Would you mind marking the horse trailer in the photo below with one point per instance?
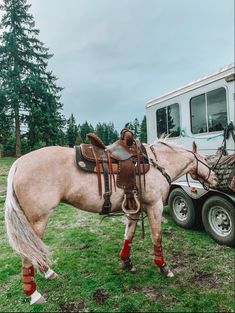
(202, 111)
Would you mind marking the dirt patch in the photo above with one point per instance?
(155, 294)
(100, 296)
(205, 278)
(83, 246)
(72, 307)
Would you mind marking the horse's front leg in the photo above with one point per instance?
(154, 217)
(126, 248)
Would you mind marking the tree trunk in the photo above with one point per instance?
(17, 133)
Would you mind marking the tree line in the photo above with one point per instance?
(76, 134)
(30, 106)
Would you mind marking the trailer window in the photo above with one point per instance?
(209, 111)
(168, 121)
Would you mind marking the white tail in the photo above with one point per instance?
(21, 235)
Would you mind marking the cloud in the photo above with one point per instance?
(112, 56)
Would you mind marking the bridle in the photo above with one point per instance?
(202, 182)
(167, 176)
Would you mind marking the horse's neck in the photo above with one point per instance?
(176, 163)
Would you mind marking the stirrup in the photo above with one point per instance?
(126, 211)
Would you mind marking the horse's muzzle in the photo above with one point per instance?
(213, 180)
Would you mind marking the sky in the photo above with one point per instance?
(113, 56)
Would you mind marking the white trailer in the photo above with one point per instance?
(199, 111)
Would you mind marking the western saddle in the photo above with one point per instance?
(126, 158)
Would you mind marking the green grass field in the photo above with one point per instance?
(86, 257)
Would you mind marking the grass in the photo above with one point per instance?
(86, 257)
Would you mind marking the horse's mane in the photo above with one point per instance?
(172, 145)
(164, 140)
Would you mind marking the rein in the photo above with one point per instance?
(168, 178)
(160, 168)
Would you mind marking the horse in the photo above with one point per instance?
(40, 180)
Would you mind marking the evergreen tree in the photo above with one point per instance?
(143, 130)
(72, 131)
(112, 133)
(136, 128)
(83, 130)
(106, 132)
(30, 89)
(100, 131)
(5, 120)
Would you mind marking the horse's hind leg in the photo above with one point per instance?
(39, 228)
(126, 248)
(154, 217)
(29, 283)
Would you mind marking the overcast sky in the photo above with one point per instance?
(112, 56)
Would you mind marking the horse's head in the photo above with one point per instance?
(201, 171)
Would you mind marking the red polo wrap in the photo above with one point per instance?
(158, 256)
(29, 284)
(126, 250)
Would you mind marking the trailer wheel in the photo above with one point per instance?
(218, 216)
(182, 208)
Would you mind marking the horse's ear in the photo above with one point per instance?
(194, 147)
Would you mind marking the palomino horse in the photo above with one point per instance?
(40, 180)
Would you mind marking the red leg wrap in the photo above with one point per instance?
(158, 256)
(29, 284)
(126, 250)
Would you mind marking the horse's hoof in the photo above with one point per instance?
(170, 274)
(165, 271)
(53, 276)
(37, 298)
(133, 269)
(50, 274)
(127, 265)
(40, 301)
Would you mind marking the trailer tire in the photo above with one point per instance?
(218, 216)
(182, 208)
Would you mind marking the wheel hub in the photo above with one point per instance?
(180, 208)
(220, 221)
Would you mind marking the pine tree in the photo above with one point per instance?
(136, 128)
(30, 89)
(85, 129)
(143, 130)
(106, 132)
(72, 131)
(5, 120)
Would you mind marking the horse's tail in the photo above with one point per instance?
(21, 235)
